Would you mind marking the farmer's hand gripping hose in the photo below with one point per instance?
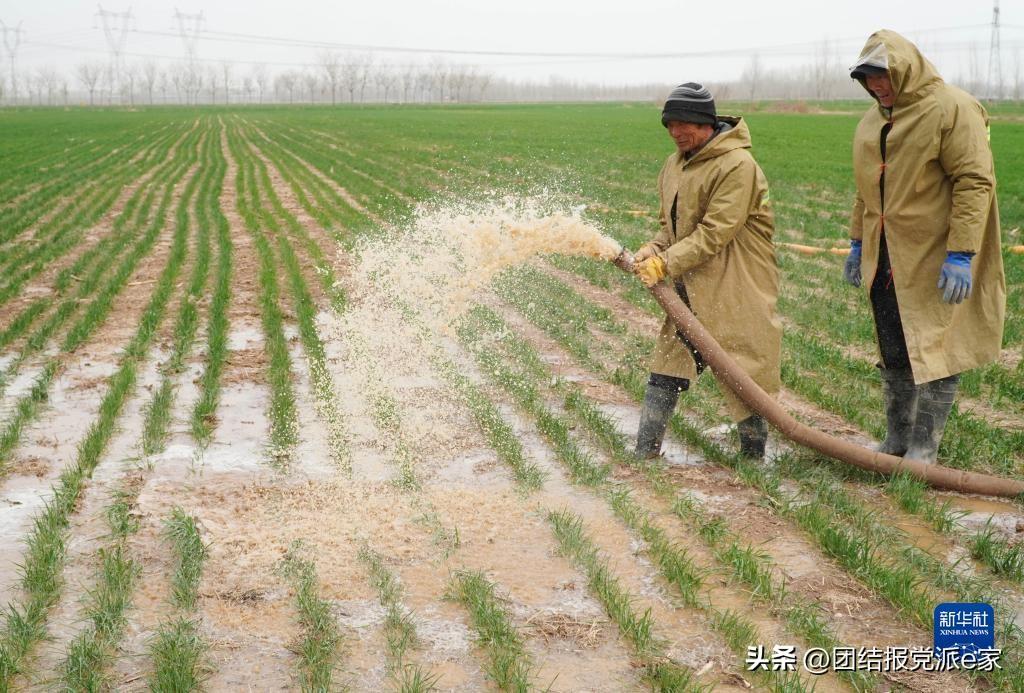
(734, 377)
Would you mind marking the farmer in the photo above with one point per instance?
(925, 237)
(715, 244)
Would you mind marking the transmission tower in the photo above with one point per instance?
(115, 27)
(12, 39)
(189, 26)
(995, 58)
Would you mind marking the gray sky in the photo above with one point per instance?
(718, 39)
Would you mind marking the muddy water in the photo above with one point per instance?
(48, 447)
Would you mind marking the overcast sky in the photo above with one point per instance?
(583, 39)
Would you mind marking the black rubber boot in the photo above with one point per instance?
(659, 402)
(900, 394)
(753, 432)
(934, 402)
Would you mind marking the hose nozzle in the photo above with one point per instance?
(624, 261)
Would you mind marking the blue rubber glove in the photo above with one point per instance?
(955, 277)
(851, 272)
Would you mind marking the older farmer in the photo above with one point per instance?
(715, 243)
(925, 236)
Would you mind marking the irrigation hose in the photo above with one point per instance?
(733, 376)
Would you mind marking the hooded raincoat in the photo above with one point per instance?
(716, 240)
(939, 196)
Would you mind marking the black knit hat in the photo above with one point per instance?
(863, 71)
(690, 103)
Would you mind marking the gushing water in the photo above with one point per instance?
(409, 288)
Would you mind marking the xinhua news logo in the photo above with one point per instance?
(966, 631)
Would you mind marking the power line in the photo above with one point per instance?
(781, 49)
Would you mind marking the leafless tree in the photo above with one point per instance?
(163, 83)
(752, 75)
(310, 81)
(248, 87)
(3, 87)
(439, 75)
(975, 84)
(424, 82)
(386, 79)
(353, 75)
(147, 75)
(331, 65)
(179, 78)
(63, 91)
(89, 75)
(408, 82)
(225, 73)
(482, 82)
(212, 82)
(128, 80)
(48, 80)
(262, 79)
(823, 70)
(285, 82)
(1017, 85)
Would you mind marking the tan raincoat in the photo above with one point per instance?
(939, 196)
(720, 248)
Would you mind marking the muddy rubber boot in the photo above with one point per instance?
(753, 432)
(934, 402)
(900, 395)
(659, 402)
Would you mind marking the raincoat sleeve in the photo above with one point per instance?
(857, 219)
(966, 158)
(727, 211)
(662, 238)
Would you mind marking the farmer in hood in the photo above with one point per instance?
(715, 244)
(925, 238)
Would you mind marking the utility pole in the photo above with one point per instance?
(12, 39)
(995, 57)
(115, 27)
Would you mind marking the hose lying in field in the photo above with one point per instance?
(813, 250)
(730, 373)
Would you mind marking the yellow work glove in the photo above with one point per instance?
(651, 271)
(643, 252)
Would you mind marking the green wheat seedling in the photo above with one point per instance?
(64, 231)
(1004, 558)
(306, 311)
(91, 651)
(509, 664)
(673, 563)
(45, 552)
(30, 404)
(618, 603)
(204, 412)
(500, 435)
(316, 197)
(190, 553)
(178, 651)
(748, 564)
(282, 414)
(318, 649)
(158, 412)
(399, 628)
(301, 235)
(83, 666)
